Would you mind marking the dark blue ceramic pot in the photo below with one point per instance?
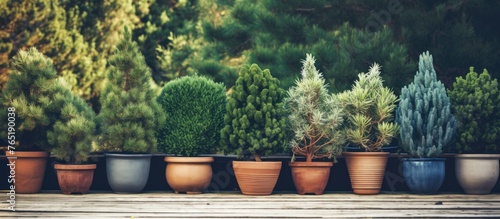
(424, 175)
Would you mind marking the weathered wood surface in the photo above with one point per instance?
(235, 205)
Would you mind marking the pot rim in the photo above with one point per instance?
(364, 153)
(28, 154)
(126, 155)
(75, 166)
(310, 164)
(188, 159)
(478, 156)
(420, 159)
(257, 165)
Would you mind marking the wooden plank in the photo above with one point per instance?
(235, 205)
(275, 214)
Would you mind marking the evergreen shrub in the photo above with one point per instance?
(424, 113)
(255, 119)
(475, 102)
(195, 108)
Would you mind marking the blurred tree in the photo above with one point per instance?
(459, 34)
(277, 34)
(77, 36)
(166, 37)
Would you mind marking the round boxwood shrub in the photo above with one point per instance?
(195, 108)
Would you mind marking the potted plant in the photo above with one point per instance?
(369, 107)
(28, 98)
(427, 125)
(195, 108)
(315, 118)
(71, 138)
(128, 119)
(255, 127)
(475, 102)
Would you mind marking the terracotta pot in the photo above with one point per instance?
(29, 170)
(310, 177)
(366, 171)
(75, 179)
(189, 174)
(256, 178)
(477, 173)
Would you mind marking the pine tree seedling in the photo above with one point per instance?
(129, 115)
(72, 135)
(31, 91)
(315, 116)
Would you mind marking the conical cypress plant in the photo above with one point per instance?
(130, 115)
(475, 102)
(424, 113)
(254, 120)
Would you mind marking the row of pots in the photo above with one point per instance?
(128, 173)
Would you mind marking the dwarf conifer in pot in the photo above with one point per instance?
(427, 126)
(315, 118)
(195, 108)
(27, 103)
(369, 106)
(254, 126)
(475, 103)
(72, 137)
(129, 118)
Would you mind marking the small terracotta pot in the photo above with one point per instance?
(189, 174)
(256, 178)
(310, 177)
(366, 171)
(75, 179)
(477, 173)
(29, 170)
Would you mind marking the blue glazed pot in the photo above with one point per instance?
(424, 175)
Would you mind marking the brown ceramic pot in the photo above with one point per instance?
(310, 177)
(29, 170)
(191, 175)
(75, 179)
(256, 178)
(366, 171)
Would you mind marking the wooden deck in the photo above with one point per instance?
(235, 205)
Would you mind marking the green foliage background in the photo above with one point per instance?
(214, 38)
(194, 107)
(182, 37)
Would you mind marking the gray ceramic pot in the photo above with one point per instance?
(127, 173)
